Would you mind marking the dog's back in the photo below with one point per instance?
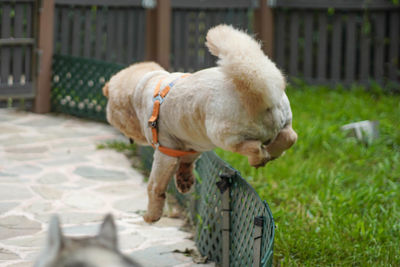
(121, 113)
(96, 251)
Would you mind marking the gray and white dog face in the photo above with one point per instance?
(99, 250)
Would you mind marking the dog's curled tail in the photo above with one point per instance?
(105, 90)
(256, 77)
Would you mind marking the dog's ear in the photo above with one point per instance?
(55, 239)
(54, 244)
(108, 233)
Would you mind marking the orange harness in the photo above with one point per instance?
(158, 99)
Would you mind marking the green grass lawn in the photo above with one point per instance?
(335, 202)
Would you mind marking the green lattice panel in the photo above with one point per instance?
(77, 86)
(208, 228)
(245, 206)
(205, 204)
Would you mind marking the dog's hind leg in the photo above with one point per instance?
(161, 172)
(184, 177)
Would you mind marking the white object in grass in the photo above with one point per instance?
(365, 131)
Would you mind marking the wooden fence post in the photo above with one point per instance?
(224, 188)
(44, 56)
(158, 33)
(264, 27)
(164, 32)
(151, 34)
(257, 237)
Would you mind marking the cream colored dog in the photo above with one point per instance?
(240, 106)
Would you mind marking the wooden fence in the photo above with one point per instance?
(331, 42)
(116, 31)
(17, 44)
(108, 30)
(190, 22)
(320, 41)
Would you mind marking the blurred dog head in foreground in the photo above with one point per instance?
(96, 251)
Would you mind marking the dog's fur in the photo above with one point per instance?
(97, 251)
(240, 106)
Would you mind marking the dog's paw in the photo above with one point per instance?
(184, 178)
(184, 182)
(151, 218)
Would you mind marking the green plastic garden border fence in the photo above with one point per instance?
(77, 86)
(204, 206)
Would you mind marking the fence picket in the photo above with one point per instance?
(176, 40)
(109, 49)
(394, 63)
(196, 42)
(99, 47)
(17, 51)
(183, 38)
(244, 20)
(76, 32)
(186, 40)
(336, 54)
(365, 55)
(133, 21)
(350, 48)
(308, 44)
(322, 47)
(65, 30)
(28, 50)
(6, 21)
(87, 50)
(140, 34)
(294, 44)
(5, 51)
(237, 20)
(207, 55)
(280, 34)
(120, 36)
(379, 21)
(56, 41)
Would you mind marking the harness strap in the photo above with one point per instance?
(158, 99)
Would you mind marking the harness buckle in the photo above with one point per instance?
(159, 98)
(153, 124)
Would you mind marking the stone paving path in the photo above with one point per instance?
(49, 164)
